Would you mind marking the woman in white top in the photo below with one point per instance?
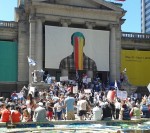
(30, 103)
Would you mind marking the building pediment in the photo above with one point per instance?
(92, 4)
(78, 11)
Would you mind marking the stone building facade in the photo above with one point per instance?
(28, 31)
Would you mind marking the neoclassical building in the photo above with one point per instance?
(40, 25)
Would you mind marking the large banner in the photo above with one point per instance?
(137, 64)
(8, 61)
(74, 48)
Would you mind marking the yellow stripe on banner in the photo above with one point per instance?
(81, 53)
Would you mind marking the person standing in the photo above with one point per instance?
(50, 106)
(30, 103)
(82, 107)
(58, 107)
(117, 108)
(69, 104)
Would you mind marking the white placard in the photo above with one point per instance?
(148, 87)
(31, 90)
(64, 78)
(85, 80)
(87, 90)
(75, 89)
(20, 95)
(53, 78)
(122, 94)
(88, 80)
(58, 83)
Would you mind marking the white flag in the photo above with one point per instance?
(31, 62)
(116, 86)
(125, 70)
(148, 87)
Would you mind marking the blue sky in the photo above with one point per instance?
(132, 16)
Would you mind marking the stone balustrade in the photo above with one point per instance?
(131, 35)
(8, 24)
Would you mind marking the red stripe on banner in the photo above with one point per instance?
(76, 50)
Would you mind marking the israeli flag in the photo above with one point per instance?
(31, 62)
(116, 86)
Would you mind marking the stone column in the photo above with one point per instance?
(118, 52)
(90, 25)
(65, 23)
(22, 51)
(112, 53)
(32, 46)
(39, 43)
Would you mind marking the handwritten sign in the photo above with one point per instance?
(121, 94)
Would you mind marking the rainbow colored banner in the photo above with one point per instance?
(78, 52)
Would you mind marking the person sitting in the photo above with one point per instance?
(97, 112)
(144, 109)
(106, 112)
(15, 115)
(135, 112)
(124, 112)
(5, 113)
(40, 113)
(26, 117)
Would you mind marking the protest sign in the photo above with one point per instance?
(20, 95)
(64, 78)
(53, 78)
(87, 90)
(31, 90)
(75, 89)
(122, 94)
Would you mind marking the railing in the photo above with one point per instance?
(8, 24)
(131, 35)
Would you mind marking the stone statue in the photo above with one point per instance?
(38, 76)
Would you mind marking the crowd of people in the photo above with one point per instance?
(59, 102)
